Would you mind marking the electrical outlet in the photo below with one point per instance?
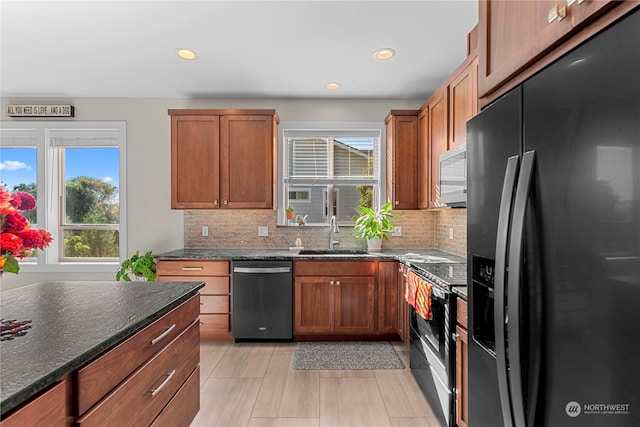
(263, 231)
(397, 231)
(451, 233)
(205, 231)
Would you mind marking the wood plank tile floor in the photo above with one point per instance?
(255, 385)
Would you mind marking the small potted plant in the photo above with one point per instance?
(138, 267)
(290, 213)
(374, 225)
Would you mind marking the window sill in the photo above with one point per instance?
(71, 267)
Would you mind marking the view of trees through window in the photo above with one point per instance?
(90, 211)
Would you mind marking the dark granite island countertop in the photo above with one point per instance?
(71, 323)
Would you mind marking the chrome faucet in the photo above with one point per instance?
(333, 229)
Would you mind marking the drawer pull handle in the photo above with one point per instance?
(164, 334)
(164, 383)
(191, 268)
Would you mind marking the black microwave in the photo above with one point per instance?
(453, 177)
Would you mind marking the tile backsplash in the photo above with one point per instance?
(239, 229)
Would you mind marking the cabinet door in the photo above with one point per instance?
(514, 34)
(354, 305)
(387, 297)
(424, 160)
(405, 164)
(246, 161)
(314, 302)
(403, 305)
(437, 140)
(463, 103)
(462, 406)
(195, 172)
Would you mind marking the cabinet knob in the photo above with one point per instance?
(338, 282)
(331, 282)
(397, 202)
(215, 202)
(454, 336)
(556, 12)
(226, 202)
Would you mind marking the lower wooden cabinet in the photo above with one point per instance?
(388, 297)
(145, 376)
(215, 297)
(462, 345)
(46, 410)
(144, 394)
(335, 298)
(403, 305)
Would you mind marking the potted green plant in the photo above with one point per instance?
(374, 225)
(138, 267)
(290, 213)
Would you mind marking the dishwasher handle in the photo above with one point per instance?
(261, 270)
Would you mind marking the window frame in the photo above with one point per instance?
(49, 175)
(287, 129)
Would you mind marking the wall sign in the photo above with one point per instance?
(30, 110)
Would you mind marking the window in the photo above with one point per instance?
(330, 171)
(75, 171)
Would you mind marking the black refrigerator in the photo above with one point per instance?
(553, 214)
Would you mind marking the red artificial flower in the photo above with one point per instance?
(5, 198)
(46, 237)
(31, 239)
(10, 243)
(14, 223)
(25, 201)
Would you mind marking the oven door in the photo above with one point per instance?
(431, 353)
(435, 333)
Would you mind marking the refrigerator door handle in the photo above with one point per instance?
(514, 287)
(504, 218)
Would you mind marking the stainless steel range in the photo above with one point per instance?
(432, 350)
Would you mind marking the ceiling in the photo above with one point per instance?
(246, 49)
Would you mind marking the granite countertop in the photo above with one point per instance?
(276, 254)
(440, 266)
(70, 323)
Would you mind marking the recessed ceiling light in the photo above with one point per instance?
(384, 54)
(187, 54)
(332, 86)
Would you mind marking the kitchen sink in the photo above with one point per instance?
(332, 251)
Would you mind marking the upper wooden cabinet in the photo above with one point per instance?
(223, 159)
(438, 126)
(424, 160)
(514, 34)
(463, 102)
(402, 158)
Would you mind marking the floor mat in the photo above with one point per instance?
(346, 355)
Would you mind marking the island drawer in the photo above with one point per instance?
(184, 406)
(46, 410)
(194, 267)
(100, 376)
(335, 268)
(144, 394)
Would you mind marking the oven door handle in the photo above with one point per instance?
(515, 286)
(504, 219)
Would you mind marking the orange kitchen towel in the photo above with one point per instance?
(418, 294)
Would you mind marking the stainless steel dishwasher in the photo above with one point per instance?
(262, 300)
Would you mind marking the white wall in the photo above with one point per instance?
(152, 225)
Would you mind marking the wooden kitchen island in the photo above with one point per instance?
(100, 353)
